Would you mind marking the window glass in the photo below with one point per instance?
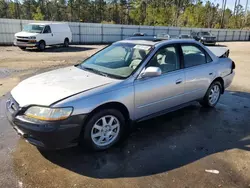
(47, 29)
(115, 54)
(117, 60)
(33, 28)
(166, 59)
(193, 56)
(209, 59)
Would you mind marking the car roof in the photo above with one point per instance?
(47, 23)
(143, 42)
(156, 42)
(146, 38)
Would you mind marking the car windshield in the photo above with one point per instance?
(118, 60)
(205, 33)
(33, 28)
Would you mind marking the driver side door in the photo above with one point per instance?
(48, 36)
(155, 94)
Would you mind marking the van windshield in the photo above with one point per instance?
(118, 60)
(33, 28)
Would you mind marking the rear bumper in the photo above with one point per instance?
(49, 135)
(228, 79)
(25, 43)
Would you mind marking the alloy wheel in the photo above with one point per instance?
(105, 130)
(214, 94)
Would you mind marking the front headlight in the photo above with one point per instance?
(202, 38)
(48, 114)
(32, 38)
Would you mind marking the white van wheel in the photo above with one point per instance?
(66, 42)
(41, 46)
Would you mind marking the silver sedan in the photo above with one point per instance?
(94, 102)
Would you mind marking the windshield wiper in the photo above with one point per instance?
(102, 73)
(95, 71)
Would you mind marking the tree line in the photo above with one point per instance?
(181, 13)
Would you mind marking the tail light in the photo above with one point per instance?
(233, 66)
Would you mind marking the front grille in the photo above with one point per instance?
(22, 40)
(22, 37)
(210, 38)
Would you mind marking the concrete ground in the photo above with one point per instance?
(175, 150)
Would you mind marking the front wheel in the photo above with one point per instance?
(103, 130)
(201, 41)
(66, 43)
(41, 45)
(213, 95)
(22, 47)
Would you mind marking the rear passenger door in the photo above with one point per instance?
(198, 70)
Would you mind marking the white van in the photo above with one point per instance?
(41, 35)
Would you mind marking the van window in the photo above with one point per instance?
(47, 29)
(33, 28)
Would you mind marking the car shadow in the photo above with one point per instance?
(166, 142)
(58, 49)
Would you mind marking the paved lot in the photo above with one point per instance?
(174, 150)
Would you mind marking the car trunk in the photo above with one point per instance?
(220, 52)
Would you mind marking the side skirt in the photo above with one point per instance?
(160, 113)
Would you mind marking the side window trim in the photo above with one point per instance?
(177, 48)
(197, 46)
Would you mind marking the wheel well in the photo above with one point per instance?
(42, 41)
(222, 83)
(111, 105)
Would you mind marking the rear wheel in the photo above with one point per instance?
(41, 45)
(103, 130)
(213, 95)
(66, 43)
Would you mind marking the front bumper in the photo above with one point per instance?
(25, 43)
(204, 41)
(45, 134)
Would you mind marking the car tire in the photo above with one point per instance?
(22, 48)
(100, 135)
(41, 46)
(66, 43)
(212, 95)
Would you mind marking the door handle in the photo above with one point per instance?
(178, 81)
(51, 34)
(211, 73)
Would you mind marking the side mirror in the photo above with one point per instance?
(151, 72)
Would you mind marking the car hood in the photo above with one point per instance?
(25, 34)
(47, 88)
